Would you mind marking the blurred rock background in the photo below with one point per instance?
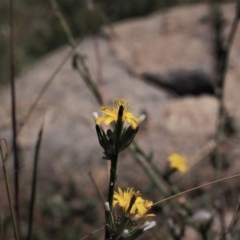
(38, 32)
(174, 46)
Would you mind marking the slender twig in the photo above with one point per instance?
(220, 209)
(34, 183)
(195, 188)
(222, 60)
(89, 235)
(78, 60)
(222, 63)
(97, 188)
(14, 121)
(91, 7)
(45, 87)
(4, 156)
(147, 168)
(99, 65)
(1, 227)
(63, 23)
(80, 65)
(50, 80)
(234, 218)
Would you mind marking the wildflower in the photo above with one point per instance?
(142, 210)
(123, 198)
(118, 137)
(178, 162)
(133, 208)
(137, 209)
(111, 115)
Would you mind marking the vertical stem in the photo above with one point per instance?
(63, 23)
(222, 59)
(114, 158)
(99, 65)
(14, 125)
(9, 193)
(79, 62)
(112, 180)
(91, 7)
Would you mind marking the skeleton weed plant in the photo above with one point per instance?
(125, 207)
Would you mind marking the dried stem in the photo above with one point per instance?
(99, 65)
(63, 23)
(222, 63)
(78, 61)
(193, 189)
(4, 159)
(89, 235)
(13, 115)
(91, 7)
(233, 221)
(134, 149)
(222, 58)
(34, 183)
(45, 87)
(97, 188)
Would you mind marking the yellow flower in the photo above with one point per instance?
(179, 162)
(123, 198)
(142, 208)
(139, 207)
(112, 114)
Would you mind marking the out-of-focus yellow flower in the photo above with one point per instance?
(139, 207)
(178, 162)
(112, 114)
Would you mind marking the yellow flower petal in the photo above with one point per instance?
(139, 208)
(122, 198)
(179, 162)
(108, 111)
(111, 115)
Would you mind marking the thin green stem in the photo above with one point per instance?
(112, 180)
(78, 60)
(80, 65)
(63, 23)
(147, 168)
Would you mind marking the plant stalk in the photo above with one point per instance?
(8, 190)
